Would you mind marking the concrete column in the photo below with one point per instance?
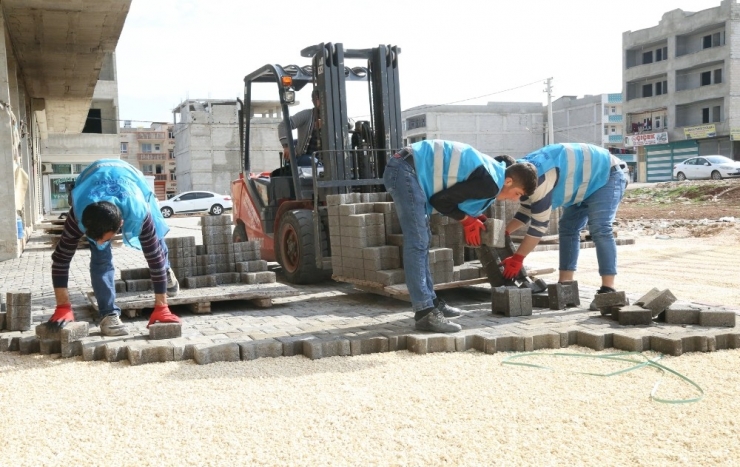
(9, 245)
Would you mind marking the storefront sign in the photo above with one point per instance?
(735, 134)
(701, 131)
(646, 139)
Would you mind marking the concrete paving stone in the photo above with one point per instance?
(572, 293)
(368, 344)
(396, 340)
(466, 340)
(694, 344)
(631, 342)
(116, 351)
(681, 315)
(727, 340)
(634, 315)
(18, 298)
(494, 233)
(74, 331)
(138, 285)
(546, 340)
(9, 341)
(610, 299)
(716, 318)
(432, 343)
(165, 331)
(44, 331)
(93, 348)
(70, 349)
(140, 353)
(509, 343)
(209, 353)
(28, 345)
(135, 274)
(667, 345)
(263, 348)
(320, 348)
(293, 345)
(49, 346)
(593, 339)
(658, 303)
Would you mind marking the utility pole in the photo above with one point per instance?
(550, 129)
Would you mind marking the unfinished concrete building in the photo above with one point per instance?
(590, 119)
(56, 64)
(514, 128)
(680, 86)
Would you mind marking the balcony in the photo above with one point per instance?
(152, 156)
(615, 118)
(156, 176)
(150, 135)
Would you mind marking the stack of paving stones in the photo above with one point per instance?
(17, 316)
(367, 243)
(217, 262)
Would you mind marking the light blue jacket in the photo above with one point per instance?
(122, 184)
(582, 169)
(441, 164)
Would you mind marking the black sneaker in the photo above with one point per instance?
(447, 310)
(172, 285)
(435, 321)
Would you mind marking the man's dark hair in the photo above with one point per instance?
(506, 159)
(524, 175)
(314, 94)
(100, 218)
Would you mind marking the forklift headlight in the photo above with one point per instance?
(289, 96)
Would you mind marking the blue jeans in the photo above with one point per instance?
(598, 210)
(411, 207)
(102, 276)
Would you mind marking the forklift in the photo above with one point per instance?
(288, 213)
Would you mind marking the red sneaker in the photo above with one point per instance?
(162, 314)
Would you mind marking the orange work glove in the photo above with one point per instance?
(162, 314)
(512, 265)
(62, 315)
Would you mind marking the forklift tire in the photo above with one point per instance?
(240, 234)
(295, 250)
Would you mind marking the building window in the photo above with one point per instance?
(665, 53)
(124, 148)
(146, 147)
(171, 153)
(665, 87)
(657, 123)
(157, 148)
(706, 78)
(614, 130)
(658, 88)
(606, 110)
(606, 130)
(416, 122)
(716, 114)
(158, 169)
(716, 38)
(170, 134)
(614, 110)
(148, 169)
(647, 57)
(659, 55)
(705, 115)
(706, 42)
(718, 76)
(647, 90)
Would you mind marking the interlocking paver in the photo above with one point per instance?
(336, 319)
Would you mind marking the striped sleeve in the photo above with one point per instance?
(154, 255)
(65, 251)
(536, 209)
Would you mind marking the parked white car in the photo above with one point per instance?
(714, 167)
(196, 201)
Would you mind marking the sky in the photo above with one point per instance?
(461, 51)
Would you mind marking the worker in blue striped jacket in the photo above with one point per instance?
(459, 182)
(111, 195)
(589, 183)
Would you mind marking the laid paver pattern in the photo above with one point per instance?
(328, 319)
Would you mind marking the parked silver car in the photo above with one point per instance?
(196, 201)
(714, 167)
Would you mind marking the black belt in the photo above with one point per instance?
(406, 155)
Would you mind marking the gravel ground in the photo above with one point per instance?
(390, 409)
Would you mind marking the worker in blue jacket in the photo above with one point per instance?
(457, 181)
(589, 183)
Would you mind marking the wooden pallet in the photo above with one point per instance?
(401, 292)
(199, 300)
